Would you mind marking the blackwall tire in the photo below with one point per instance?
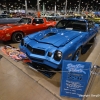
(77, 55)
(17, 37)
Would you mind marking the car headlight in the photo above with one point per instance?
(58, 55)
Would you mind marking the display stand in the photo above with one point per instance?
(75, 79)
(94, 72)
(78, 79)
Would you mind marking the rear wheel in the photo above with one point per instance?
(17, 36)
(77, 54)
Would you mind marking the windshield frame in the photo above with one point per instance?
(70, 24)
(29, 21)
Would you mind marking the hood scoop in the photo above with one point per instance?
(48, 35)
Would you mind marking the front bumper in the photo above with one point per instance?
(45, 60)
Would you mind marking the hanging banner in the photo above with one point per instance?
(75, 78)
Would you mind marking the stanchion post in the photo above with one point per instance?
(94, 72)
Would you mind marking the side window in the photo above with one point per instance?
(41, 21)
(25, 20)
(29, 20)
(38, 21)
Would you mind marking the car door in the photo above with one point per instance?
(38, 24)
(27, 26)
(91, 29)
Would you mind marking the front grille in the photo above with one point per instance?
(36, 51)
(35, 59)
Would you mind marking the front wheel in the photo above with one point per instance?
(17, 36)
(77, 55)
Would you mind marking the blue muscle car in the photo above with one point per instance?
(64, 42)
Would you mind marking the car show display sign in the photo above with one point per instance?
(75, 78)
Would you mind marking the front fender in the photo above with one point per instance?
(9, 33)
(70, 48)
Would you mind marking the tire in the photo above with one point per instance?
(17, 37)
(77, 54)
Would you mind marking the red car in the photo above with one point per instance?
(25, 26)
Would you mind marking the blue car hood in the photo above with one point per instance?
(56, 37)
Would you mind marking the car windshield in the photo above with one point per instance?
(72, 25)
(25, 21)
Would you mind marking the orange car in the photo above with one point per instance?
(25, 26)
